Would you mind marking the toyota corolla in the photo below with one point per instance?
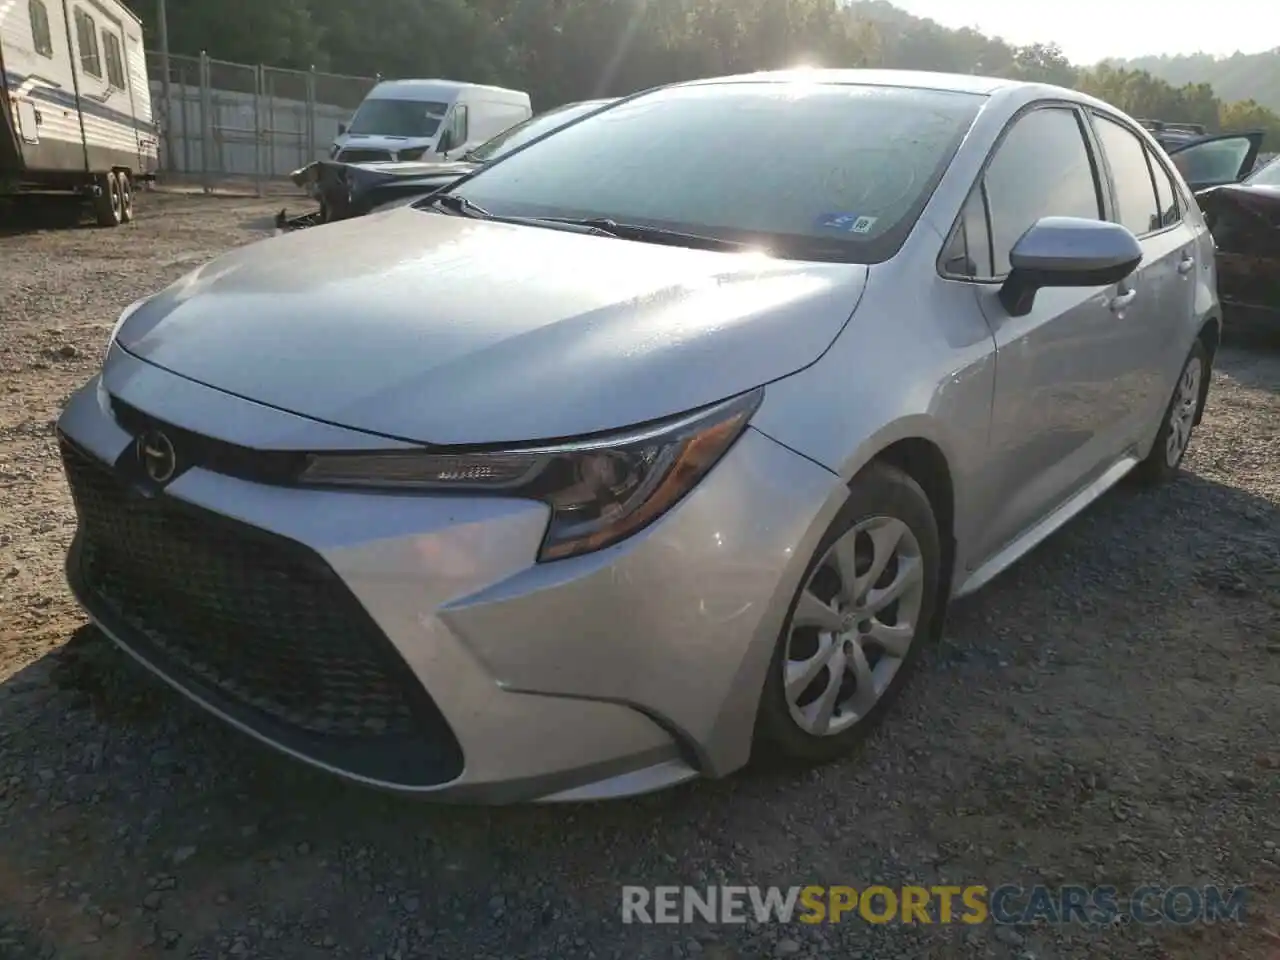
(658, 443)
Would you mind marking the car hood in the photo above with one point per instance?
(363, 176)
(379, 141)
(1258, 200)
(391, 170)
(351, 189)
(450, 330)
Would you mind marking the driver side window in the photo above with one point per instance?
(1042, 168)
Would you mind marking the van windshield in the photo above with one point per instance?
(398, 118)
(822, 171)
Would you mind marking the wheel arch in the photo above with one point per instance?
(925, 462)
(916, 446)
(1211, 336)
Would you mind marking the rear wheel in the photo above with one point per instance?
(858, 623)
(1174, 437)
(107, 204)
(126, 196)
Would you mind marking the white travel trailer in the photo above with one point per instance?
(75, 104)
(427, 120)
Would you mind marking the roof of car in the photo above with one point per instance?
(415, 87)
(957, 82)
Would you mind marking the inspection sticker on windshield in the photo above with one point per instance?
(846, 222)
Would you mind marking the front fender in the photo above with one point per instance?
(919, 367)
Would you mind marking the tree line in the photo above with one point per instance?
(1237, 77)
(565, 50)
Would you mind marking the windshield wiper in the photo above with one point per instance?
(636, 231)
(599, 226)
(459, 204)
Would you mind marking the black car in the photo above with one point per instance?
(1245, 220)
(348, 190)
(1241, 205)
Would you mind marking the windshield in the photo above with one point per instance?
(1267, 176)
(812, 171)
(531, 129)
(398, 118)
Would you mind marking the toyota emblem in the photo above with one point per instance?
(157, 456)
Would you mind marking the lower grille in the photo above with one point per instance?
(364, 156)
(259, 624)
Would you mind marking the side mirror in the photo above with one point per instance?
(445, 143)
(1067, 252)
(342, 128)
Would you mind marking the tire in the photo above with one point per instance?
(125, 183)
(1178, 421)
(106, 206)
(888, 503)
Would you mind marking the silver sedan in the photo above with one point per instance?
(658, 443)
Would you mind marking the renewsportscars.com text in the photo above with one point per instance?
(971, 904)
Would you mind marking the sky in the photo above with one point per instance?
(1093, 30)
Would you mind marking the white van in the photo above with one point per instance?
(427, 120)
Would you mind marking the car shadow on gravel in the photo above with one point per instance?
(111, 774)
(268, 224)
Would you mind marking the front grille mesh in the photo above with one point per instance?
(364, 156)
(264, 622)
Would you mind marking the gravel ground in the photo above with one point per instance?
(1105, 713)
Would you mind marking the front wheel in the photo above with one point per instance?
(858, 623)
(1174, 436)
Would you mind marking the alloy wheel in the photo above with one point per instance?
(1182, 412)
(853, 627)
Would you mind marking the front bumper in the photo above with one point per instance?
(605, 675)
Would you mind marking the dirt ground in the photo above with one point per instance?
(1106, 713)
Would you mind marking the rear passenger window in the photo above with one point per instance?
(1166, 192)
(1041, 169)
(1135, 192)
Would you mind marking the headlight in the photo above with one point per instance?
(415, 153)
(600, 490)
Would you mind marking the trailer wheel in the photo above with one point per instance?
(107, 204)
(126, 196)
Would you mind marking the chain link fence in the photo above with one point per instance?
(245, 125)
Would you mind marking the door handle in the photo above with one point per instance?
(1123, 300)
(1186, 264)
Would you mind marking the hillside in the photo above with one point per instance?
(1239, 77)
